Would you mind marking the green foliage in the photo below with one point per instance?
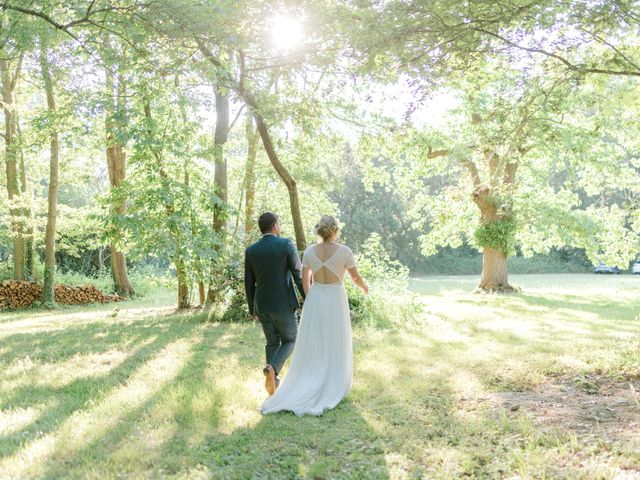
(229, 283)
(375, 264)
(499, 235)
(385, 277)
(574, 137)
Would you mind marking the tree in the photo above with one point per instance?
(50, 235)
(10, 68)
(515, 151)
(252, 136)
(116, 137)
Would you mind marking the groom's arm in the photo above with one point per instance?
(249, 283)
(295, 266)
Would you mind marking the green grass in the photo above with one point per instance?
(143, 392)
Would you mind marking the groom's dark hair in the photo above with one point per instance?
(266, 221)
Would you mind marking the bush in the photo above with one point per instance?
(388, 302)
(147, 278)
(229, 281)
(376, 266)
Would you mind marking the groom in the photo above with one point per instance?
(271, 266)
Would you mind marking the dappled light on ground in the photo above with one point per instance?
(540, 383)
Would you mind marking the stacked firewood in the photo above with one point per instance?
(20, 294)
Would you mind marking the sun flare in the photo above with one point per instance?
(286, 32)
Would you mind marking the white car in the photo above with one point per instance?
(635, 269)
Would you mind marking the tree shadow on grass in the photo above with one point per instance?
(135, 444)
(144, 339)
(552, 315)
(340, 444)
(611, 311)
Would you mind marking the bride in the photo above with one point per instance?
(321, 369)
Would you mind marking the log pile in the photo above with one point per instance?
(20, 294)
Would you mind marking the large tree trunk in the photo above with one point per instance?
(116, 163)
(250, 178)
(494, 271)
(494, 261)
(9, 83)
(220, 183)
(50, 234)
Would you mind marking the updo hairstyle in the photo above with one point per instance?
(327, 227)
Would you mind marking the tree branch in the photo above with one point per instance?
(473, 170)
(612, 47)
(237, 116)
(510, 173)
(563, 60)
(44, 16)
(436, 153)
(16, 76)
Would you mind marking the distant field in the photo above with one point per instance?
(464, 283)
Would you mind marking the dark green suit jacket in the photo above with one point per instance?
(271, 267)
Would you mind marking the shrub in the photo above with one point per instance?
(388, 302)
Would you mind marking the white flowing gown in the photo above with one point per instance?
(321, 371)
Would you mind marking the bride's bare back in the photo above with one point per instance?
(328, 262)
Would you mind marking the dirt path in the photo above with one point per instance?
(590, 406)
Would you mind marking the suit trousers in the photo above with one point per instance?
(280, 330)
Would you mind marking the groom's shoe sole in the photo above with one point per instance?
(270, 379)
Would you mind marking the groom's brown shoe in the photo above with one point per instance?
(270, 379)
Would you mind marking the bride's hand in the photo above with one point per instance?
(365, 289)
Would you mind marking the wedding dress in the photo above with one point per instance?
(321, 370)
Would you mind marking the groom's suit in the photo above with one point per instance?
(271, 267)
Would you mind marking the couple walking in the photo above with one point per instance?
(321, 369)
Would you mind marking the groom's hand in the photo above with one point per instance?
(254, 317)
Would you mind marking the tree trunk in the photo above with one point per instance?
(178, 260)
(100, 261)
(183, 285)
(29, 254)
(116, 163)
(220, 179)
(220, 183)
(250, 178)
(202, 294)
(50, 234)
(288, 180)
(494, 262)
(494, 271)
(9, 82)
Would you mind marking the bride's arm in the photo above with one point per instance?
(357, 279)
(306, 279)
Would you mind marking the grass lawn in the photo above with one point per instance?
(542, 384)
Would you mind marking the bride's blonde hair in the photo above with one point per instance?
(327, 227)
